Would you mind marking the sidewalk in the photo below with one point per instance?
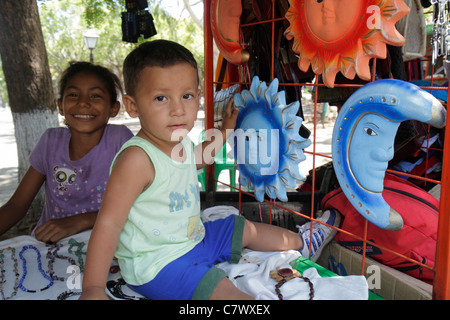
(8, 158)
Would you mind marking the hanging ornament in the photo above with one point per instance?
(225, 21)
(335, 36)
(137, 21)
(268, 147)
(363, 142)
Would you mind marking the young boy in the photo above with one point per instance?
(150, 215)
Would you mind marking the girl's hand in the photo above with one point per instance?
(57, 229)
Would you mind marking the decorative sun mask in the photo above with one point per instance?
(268, 147)
(363, 142)
(225, 21)
(343, 35)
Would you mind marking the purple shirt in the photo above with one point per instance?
(74, 187)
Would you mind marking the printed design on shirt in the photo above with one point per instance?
(196, 191)
(195, 230)
(177, 201)
(64, 177)
(72, 192)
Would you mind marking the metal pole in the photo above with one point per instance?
(209, 80)
(441, 286)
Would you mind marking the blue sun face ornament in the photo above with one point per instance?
(268, 147)
(363, 142)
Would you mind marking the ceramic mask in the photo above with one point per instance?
(335, 36)
(225, 27)
(268, 147)
(363, 142)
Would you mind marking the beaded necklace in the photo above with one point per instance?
(51, 256)
(2, 272)
(286, 274)
(67, 294)
(24, 264)
(79, 253)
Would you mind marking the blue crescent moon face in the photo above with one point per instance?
(371, 147)
(363, 140)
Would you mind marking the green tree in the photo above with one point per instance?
(65, 21)
(28, 80)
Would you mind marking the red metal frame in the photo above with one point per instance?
(441, 286)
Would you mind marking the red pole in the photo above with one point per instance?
(441, 287)
(209, 80)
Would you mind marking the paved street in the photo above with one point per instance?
(8, 156)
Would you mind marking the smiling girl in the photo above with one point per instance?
(72, 162)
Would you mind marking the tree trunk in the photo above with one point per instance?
(28, 80)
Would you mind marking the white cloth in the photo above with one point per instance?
(252, 274)
(218, 212)
(66, 263)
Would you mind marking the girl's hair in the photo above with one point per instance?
(112, 82)
(156, 53)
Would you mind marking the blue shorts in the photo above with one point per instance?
(193, 276)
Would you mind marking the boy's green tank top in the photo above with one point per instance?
(164, 222)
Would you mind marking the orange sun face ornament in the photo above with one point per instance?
(335, 36)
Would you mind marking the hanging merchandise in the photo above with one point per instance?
(268, 147)
(335, 36)
(363, 140)
(441, 31)
(137, 21)
(413, 28)
(225, 17)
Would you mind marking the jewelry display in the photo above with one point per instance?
(283, 275)
(52, 255)
(67, 294)
(2, 273)
(79, 252)
(24, 265)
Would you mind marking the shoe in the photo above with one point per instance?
(321, 234)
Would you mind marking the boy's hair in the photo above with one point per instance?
(156, 53)
(112, 82)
